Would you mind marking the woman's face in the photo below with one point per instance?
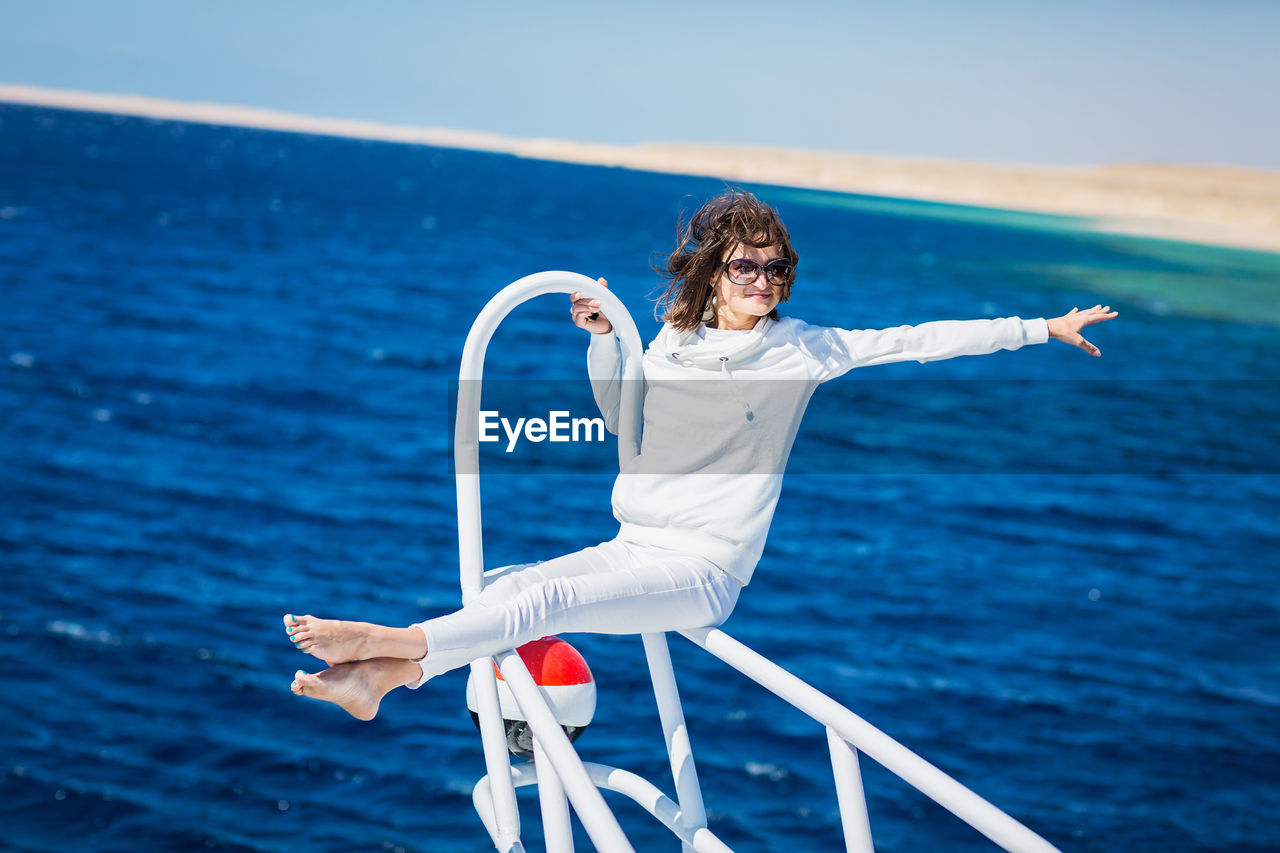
(739, 306)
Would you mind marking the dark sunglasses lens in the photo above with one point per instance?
(743, 271)
(778, 272)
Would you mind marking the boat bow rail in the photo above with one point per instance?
(561, 777)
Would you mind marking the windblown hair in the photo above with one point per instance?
(731, 219)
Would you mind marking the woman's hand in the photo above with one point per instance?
(1067, 327)
(587, 314)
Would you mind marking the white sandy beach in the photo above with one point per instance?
(1220, 205)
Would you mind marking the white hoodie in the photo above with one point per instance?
(721, 413)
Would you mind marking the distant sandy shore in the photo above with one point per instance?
(1218, 205)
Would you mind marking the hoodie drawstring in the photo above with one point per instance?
(733, 386)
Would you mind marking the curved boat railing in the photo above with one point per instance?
(561, 777)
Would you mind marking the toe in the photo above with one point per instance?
(302, 681)
(293, 627)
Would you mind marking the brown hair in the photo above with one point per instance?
(733, 218)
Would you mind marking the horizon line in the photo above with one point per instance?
(1182, 202)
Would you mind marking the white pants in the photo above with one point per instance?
(615, 587)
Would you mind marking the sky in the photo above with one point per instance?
(1178, 81)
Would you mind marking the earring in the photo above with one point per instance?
(709, 313)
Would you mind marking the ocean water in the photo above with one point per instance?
(225, 366)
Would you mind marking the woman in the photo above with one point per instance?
(726, 383)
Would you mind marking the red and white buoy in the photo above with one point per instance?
(565, 680)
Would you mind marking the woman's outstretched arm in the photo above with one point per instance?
(838, 350)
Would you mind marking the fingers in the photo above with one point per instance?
(595, 315)
(1100, 314)
(1079, 341)
(1067, 327)
(1096, 314)
(577, 300)
(586, 312)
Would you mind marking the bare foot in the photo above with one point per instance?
(357, 688)
(334, 641)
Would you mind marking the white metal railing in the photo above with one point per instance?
(560, 757)
(561, 777)
(637, 788)
(846, 732)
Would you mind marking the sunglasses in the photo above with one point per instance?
(743, 271)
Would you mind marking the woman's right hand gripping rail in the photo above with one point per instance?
(588, 313)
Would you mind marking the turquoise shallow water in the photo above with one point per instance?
(225, 393)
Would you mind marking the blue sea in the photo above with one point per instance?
(226, 359)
